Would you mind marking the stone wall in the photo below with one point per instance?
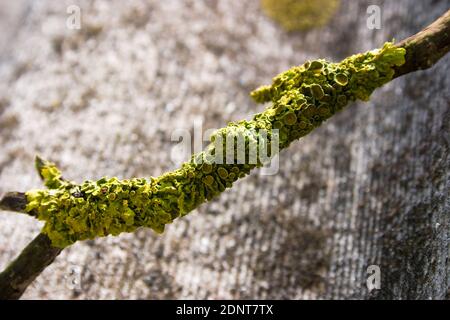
(370, 187)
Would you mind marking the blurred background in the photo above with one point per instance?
(369, 187)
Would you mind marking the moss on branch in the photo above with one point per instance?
(300, 100)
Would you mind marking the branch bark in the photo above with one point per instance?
(13, 201)
(423, 50)
(37, 255)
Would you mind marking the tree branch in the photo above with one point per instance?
(14, 201)
(37, 255)
(423, 50)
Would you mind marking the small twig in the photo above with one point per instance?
(423, 50)
(14, 201)
(37, 255)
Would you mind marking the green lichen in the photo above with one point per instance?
(301, 99)
(295, 15)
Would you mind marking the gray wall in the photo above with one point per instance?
(370, 187)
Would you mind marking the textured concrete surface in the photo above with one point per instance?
(370, 187)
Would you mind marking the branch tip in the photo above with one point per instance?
(39, 164)
(14, 201)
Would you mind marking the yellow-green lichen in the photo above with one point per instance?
(301, 99)
(295, 15)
